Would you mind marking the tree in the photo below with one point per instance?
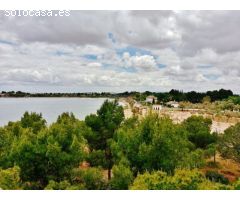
(227, 105)
(51, 153)
(10, 178)
(229, 143)
(6, 139)
(122, 177)
(198, 129)
(183, 105)
(104, 125)
(206, 100)
(194, 97)
(183, 179)
(234, 99)
(33, 121)
(65, 145)
(177, 95)
(153, 102)
(96, 158)
(28, 152)
(211, 151)
(154, 143)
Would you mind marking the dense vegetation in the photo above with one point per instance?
(107, 152)
(173, 95)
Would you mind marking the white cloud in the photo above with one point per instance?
(189, 50)
(144, 63)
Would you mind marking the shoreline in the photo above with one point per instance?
(58, 97)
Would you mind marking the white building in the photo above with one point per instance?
(157, 107)
(173, 104)
(151, 99)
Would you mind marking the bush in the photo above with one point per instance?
(236, 185)
(52, 185)
(10, 178)
(91, 178)
(122, 177)
(216, 177)
(183, 179)
(63, 185)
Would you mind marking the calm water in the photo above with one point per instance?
(11, 109)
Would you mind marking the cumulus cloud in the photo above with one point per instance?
(121, 50)
(144, 63)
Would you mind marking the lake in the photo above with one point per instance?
(12, 109)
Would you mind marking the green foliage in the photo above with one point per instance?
(229, 143)
(216, 177)
(104, 125)
(186, 179)
(36, 156)
(199, 131)
(28, 154)
(154, 143)
(226, 105)
(10, 178)
(6, 139)
(195, 159)
(236, 184)
(183, 179)
(206, 99)
(91, 179)
(33, 121)
(63, 185)
(65, 145)
(52, 185)
(154, 181)
(211, 151)
(122, 177)
(50, 153)
(97, 158)
(235, 99)
(177, 95)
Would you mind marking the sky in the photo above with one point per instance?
(115, 51)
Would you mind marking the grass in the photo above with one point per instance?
(228, 168)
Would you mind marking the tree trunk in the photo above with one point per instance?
(109, 173)
(108, 157)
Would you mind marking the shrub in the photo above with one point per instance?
(122, 177)
(91, 178)
(183, 179)
(10, 178)
(216, 177)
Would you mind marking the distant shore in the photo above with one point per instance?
(59, 97)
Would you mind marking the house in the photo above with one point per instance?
(151, 99)
(173, 104)
(157, 107)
